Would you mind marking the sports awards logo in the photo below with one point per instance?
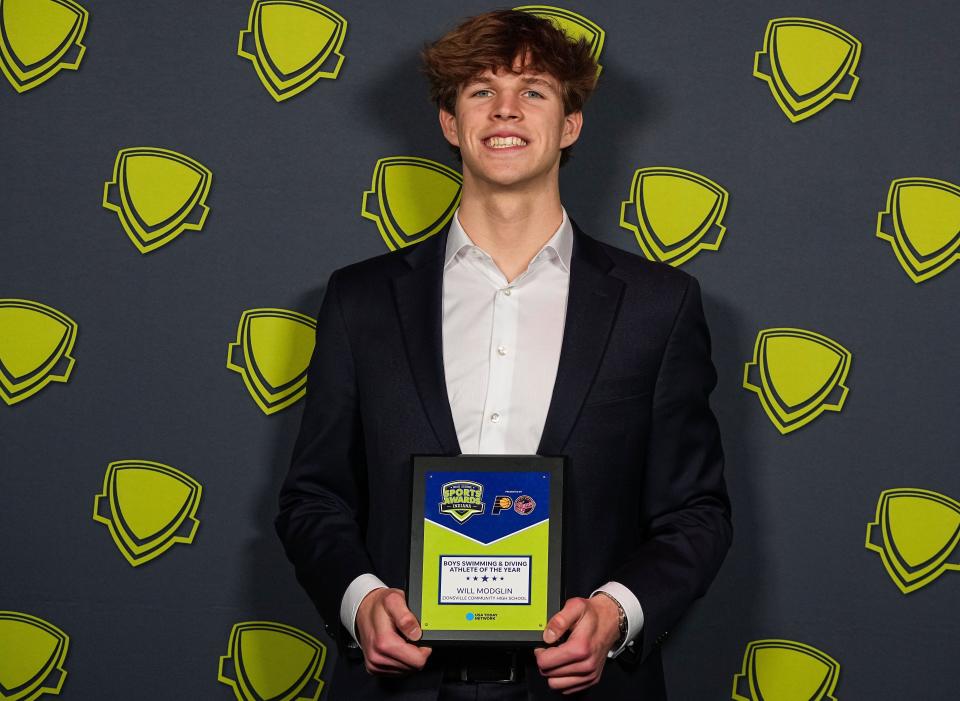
(916, 533)
(807, 64)
(461, 499)
(410, 199)
(148, 507)
(785, 670)
(271, 353)
(674, 213)
(33, 652)
(40, 38)
(797, 375)
(35, 346)
(292, 44)
(267, 660)
(922, 223)
(157, 195)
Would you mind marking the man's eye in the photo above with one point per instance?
(483, 92)
(534, 93)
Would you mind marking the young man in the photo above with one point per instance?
(511, 332)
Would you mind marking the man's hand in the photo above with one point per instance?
(384, 625)
(577, 663)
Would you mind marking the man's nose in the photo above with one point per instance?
(507, 106)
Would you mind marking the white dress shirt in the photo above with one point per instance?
(501, 348)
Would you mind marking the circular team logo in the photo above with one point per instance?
(524, 505)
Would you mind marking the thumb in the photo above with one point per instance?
(403, 617)
(564, 620)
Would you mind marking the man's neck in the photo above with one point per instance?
(511, 226)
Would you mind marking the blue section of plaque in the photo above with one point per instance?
(528, 494)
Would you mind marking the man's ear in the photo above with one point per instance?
(448, 124)
(572, 124)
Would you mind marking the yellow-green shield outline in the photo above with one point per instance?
(690, 246)
(795, 107)
(135, 551)
(269, 399)
(748, 672)
(34, 689)
(781, 417)
(23, 79)
(141, 235)
(14, 392)
(284, 88)
(241, 685)
(918, 267)
(391, 233)
(910, 579)
(594, 29)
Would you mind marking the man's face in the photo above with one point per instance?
(510, 128)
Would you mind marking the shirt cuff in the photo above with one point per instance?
(631, 606)
(358, 589)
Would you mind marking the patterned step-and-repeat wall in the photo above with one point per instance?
(180, 178)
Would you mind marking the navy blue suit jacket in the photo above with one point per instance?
(646, 501)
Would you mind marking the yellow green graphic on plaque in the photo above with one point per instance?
(32, 653)
(916, 533)
(410, 199)
(797, 375)
(148, 507)
(485, 547)
(40, 38)
(922, 223)
(157, 195)
(292, 44)
(268, 661)
(807, 64)
(674, 213)
(575, 26)
(785, 670)
(271, 353)
(35, 346)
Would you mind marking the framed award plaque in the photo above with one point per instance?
(485, 547)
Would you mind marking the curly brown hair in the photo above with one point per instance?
(493, 41)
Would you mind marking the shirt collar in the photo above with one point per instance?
(560, 245)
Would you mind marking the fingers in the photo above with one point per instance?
(578, 662)
(564, 619)
(581, 670)
(403, 617)
(391, 654)
(387, 651)
(571, 685)
(575, 656)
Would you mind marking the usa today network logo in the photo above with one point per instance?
(471, 616)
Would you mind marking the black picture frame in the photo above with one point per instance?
(422, 464)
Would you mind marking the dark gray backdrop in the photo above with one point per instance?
(150, 378)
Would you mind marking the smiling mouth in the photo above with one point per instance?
(504, 141)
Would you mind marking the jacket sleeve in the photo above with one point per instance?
(684, 509)
(323, 498)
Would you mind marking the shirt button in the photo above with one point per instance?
(502, 350)
(507, 292)
(495, 417)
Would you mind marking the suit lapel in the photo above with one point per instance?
(592, 304)
(593, 301)
(419, 299)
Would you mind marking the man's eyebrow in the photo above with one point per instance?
(533, 80)
(528, 79)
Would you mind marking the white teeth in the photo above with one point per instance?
(505, 141)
